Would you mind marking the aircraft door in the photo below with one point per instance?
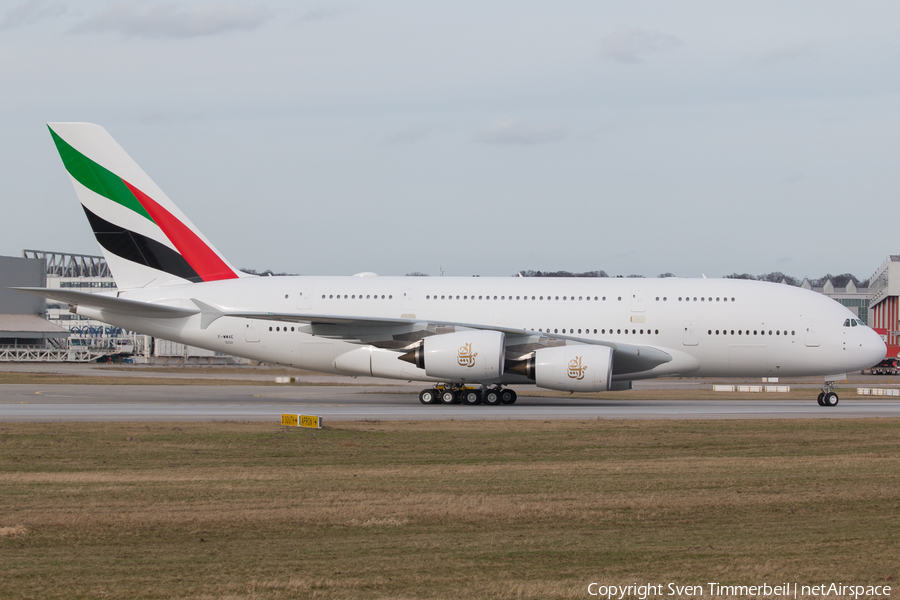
(812, 334)
(408, 299)
(638, 300)
(691, 333)
(304, 299)
(251, 334)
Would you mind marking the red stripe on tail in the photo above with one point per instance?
(208, 265)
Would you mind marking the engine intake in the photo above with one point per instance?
(461, 356)
(574, 368)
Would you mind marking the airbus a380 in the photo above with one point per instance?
(471, 337)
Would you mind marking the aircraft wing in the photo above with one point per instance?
(402, 334)
(382, 332)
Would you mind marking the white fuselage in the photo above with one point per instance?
(712, 327)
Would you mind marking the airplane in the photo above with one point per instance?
(471, 338)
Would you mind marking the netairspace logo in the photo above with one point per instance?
(715, 589)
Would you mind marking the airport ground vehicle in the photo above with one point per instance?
(891, 363)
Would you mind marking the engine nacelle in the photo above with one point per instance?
(463, 356)
(575, 368)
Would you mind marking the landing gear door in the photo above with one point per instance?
(812, 334)
(304, 299)
(691, 333)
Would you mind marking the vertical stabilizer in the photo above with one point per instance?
(146, 240)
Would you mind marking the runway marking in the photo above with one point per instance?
(46, 395)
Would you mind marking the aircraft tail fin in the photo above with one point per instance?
(146, 239)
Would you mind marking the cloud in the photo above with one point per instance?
(406, 136)
(630, 45)
(33, 11)
(788, 54)
(512, 131)
(138, 18)
(321, 13)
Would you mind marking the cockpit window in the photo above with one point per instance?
(854, 322)
(847, 323)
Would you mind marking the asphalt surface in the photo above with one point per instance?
(47, 403)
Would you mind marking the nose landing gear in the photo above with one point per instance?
(828, 397)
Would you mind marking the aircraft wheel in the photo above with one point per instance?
(471, 397)
(821, 399)
(491, 397)
(429, 396)
(507, 397)
(448, 397)
(830, 399)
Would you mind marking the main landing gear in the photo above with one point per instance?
(459, 394)
(828, 397)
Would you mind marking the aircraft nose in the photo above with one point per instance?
(874, 348)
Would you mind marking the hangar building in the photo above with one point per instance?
(25, 334)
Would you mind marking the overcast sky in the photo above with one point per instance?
(477, 137)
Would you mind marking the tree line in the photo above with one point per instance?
(838, 281)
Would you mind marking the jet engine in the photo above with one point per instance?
(461, 356)
(575, 368)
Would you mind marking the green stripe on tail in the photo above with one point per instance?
(97, 178)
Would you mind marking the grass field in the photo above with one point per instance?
(443, 509)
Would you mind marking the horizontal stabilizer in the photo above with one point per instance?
(123, 306)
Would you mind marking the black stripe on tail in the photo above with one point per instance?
(139, 248)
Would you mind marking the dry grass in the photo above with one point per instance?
(442, 509)
(15, 531)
